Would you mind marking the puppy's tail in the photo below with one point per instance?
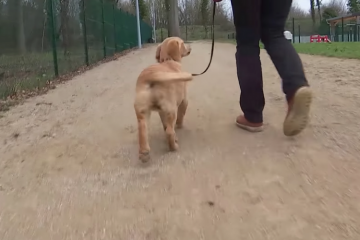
(158, 77)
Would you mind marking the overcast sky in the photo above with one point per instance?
(305, 4)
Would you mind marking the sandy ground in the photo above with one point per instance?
(69, 166)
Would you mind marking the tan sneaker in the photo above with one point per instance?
(297, 117)
(242, 123)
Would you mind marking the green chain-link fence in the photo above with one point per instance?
(42, 39)
(347, 32)
(303, 28)
(199, 32)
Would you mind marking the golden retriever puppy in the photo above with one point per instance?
(162, 53)
(162, 87)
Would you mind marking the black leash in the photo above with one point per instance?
(212, 44)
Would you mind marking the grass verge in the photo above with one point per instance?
(334, 49)
(29, 75)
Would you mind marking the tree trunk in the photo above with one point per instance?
(318, 4)
(64, 28)
(206, 32)
(174, 28)
(21, 42)
(312, 10)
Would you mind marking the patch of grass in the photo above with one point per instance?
(334, 49)
(35, 70)
(21, 72)
(196, 32)
(31, 74)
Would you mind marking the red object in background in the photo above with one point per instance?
(318, 38)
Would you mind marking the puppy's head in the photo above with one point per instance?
(158, 50)
(175, 49)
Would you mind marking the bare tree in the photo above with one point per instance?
(21, 41)
(318, 5)
(338, 5)
(174, 28)
(205, 14)
(64, 25)
(312, 12)
(297, 12)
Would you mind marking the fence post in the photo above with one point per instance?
(342, 29)
(161, 32)
(50, 8)
(355, 33)
(103, 27)
(299, 33)
(138, 28)
(85, 34)
(114, 16)
(293, 29)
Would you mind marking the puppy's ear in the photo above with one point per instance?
(173, 50)
(158, 50)
(185, 50)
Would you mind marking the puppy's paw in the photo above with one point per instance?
(144, 156)
(174, 146)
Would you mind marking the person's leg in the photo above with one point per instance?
(287, 62)
(248, 28)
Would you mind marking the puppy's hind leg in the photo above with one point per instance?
(170, 131)
(163, 119)
(144, 147)
(181, 113)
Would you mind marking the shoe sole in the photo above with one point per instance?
(298, 117)
(248, 128)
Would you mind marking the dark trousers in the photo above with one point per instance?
(263, 20)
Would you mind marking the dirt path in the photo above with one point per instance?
(69, 168)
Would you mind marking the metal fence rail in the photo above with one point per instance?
(41, 41)
(302, 29)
